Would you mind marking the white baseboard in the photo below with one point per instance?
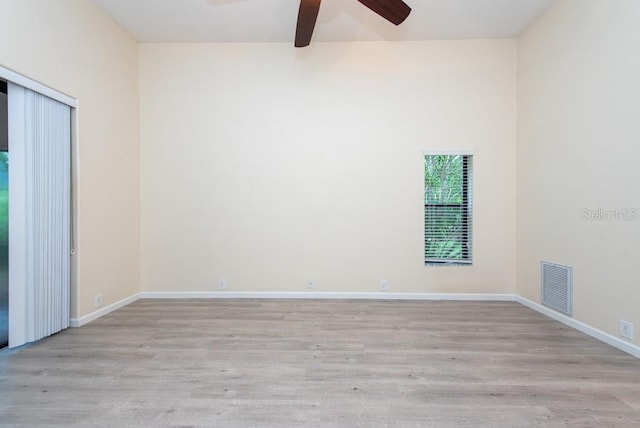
(616, 342)
(322, 295)
(580, 326)
(79, 322)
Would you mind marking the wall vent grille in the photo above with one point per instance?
(557, 287)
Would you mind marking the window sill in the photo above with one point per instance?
(448, 263)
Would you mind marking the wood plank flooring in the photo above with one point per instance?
(281, 363)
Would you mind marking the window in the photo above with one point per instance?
(447, 209)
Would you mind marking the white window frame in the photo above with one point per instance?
(468, 261)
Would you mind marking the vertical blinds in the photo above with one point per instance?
(448, 209)
(39, 143)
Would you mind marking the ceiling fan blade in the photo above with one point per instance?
(395, 11)
(307, 16)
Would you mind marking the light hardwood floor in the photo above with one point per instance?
(320, 363)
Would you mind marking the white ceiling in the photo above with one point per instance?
(339, 20)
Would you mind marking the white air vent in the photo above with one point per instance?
(557, 287)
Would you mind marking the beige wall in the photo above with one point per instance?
(73, 47)
(578, 134)
(267, 166)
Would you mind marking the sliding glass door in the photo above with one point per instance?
(35, 201)
(39, 215)
(4, 218)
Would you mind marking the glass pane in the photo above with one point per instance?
(4, 219)
(443, 179)
(4, 249)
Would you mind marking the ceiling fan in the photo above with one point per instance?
(394, 11)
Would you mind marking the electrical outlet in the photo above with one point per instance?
(384, 285)
(311, 284)
(98, 300)
(222, 284)
(626, 329)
